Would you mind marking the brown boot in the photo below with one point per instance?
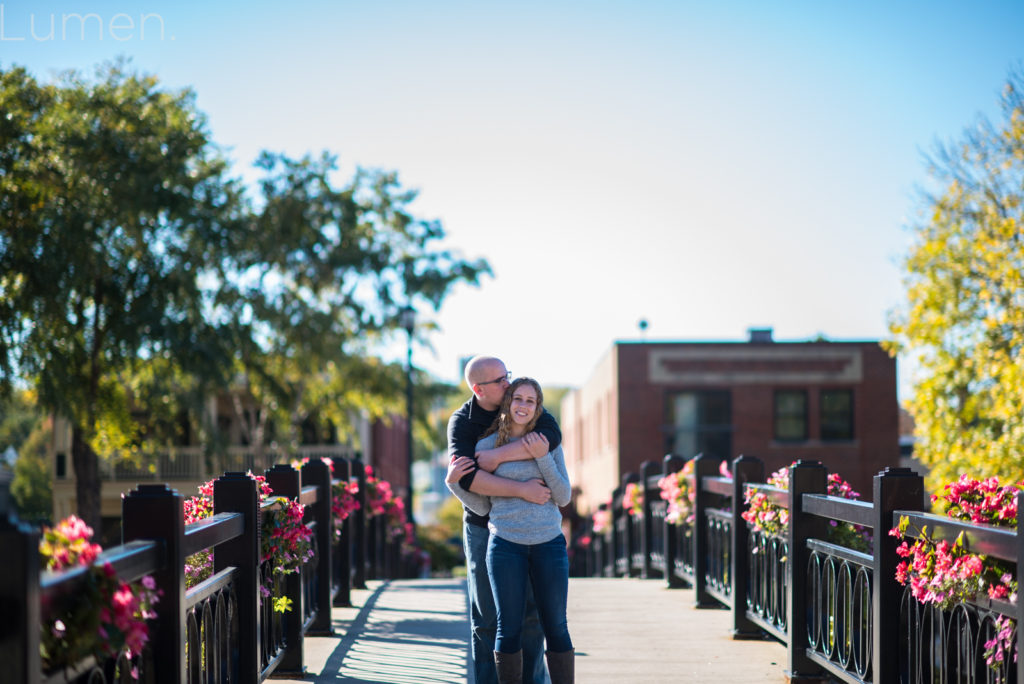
(509, 666)
(562, 666)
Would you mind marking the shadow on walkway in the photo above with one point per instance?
(405, 632)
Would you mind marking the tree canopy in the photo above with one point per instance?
(964, 318)
(137, 275)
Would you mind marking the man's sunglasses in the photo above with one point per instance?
(506, 376)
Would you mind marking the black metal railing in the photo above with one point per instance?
(839, 610)
(220, 630)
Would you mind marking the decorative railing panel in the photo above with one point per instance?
(949, 646)
(767, 588)
(211, 614)
(839, 632)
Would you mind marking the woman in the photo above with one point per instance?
(526, 539)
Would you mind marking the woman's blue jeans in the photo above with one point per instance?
(484, 621)
(510, 566)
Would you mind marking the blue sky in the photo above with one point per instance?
(709, 167)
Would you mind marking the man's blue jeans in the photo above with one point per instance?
(483, 618)
(514, 567)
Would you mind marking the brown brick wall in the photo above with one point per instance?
(641, 396)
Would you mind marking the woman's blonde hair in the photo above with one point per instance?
(503, 423)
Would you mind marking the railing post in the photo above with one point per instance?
(588, 550)
(618, 538)
(648, 469)
(672, 464)
(157, 512)
(744, 469)
(703, 466)
(372, 566)
(318, 474)
(606, 544)
(893, 489)
(19, 590)
(359, 558)
(284, 481)
(1020, 604)
(805, 477)
(631, 541)
(235, 492)
(343, 549)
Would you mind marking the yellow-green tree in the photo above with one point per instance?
(963, 322)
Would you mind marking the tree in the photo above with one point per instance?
(964, 318)
(136, 277)
(315, 287)
(113, 203)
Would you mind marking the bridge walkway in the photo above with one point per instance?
(626, 631)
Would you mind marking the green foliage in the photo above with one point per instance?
(317, 281)
(553, 400)
(964, 318)
(18, 417)
(443, 540)
(445, 551)
(449, 516)
(32, 487)
(137, 278)
(113, 199)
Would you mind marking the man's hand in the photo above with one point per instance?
(458, 468)
(488, 460)
(536, 444)
(535, 491)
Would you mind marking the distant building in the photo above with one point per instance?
(834, 402)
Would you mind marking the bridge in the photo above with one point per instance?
(705, 597)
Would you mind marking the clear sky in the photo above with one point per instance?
(708, 167)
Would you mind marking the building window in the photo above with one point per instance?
(790, 415)
(836, 415)
(700, 423)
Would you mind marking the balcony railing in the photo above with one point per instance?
(219, 630)
(840, 611)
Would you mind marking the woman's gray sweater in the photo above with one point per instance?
(514, 519)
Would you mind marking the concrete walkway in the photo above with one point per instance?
(626, 631)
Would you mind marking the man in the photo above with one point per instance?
(488, 378)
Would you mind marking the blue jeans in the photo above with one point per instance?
(512, 568)
(483, 618)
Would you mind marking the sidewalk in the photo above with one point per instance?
(626, 631)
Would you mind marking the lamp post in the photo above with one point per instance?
(407, 319)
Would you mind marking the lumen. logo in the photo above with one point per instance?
(43, 28)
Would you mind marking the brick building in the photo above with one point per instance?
(779, 401)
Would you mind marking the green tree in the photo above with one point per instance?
(964, 318)
(113, 202)
(316, 287)
(136, 277)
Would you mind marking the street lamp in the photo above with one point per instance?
(407, 319)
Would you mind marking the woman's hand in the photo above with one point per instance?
(536, 444)
(459, 467)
